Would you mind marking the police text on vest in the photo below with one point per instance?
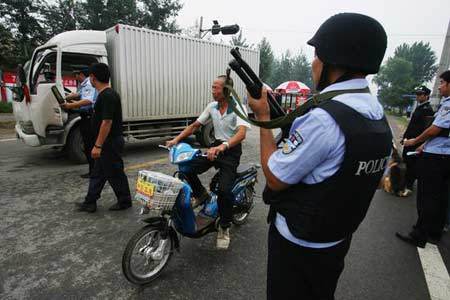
(372, 166)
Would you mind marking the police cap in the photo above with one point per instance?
(422, 90)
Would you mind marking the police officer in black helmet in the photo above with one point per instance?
(320, 185)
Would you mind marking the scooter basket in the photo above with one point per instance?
(157, 191)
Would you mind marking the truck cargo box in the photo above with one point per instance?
(166, 76)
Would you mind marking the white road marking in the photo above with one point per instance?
(8, 140)
(436, 274)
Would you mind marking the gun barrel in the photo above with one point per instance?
(252, 82)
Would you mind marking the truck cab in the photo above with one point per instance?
(39, 118)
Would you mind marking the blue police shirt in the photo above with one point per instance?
(87, 92)
(440, 145)
(315, 149)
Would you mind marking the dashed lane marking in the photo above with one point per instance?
(8, 140)
(146, 164)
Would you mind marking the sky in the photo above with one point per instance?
(289, 24)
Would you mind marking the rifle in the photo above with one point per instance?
(253, 83)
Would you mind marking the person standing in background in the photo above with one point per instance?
(84, 104)
(434, 174)
(420, 120)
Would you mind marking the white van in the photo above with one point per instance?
(164, 81)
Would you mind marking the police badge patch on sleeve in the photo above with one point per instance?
(294, 140)
(445, 110)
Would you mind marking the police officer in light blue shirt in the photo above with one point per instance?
(320, 184)
(82, 102)
(434, 166)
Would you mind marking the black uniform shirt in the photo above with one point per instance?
(108, 107)
(420, 120)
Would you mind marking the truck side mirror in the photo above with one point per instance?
(21, 75)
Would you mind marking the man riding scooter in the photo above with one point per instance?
(225, 153)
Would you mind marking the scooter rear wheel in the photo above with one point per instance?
(141, 261)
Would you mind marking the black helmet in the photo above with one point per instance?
(350, 40)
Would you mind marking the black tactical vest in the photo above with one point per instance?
(333, 209)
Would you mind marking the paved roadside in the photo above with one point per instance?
(7, 123)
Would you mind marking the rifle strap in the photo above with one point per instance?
(281, 122)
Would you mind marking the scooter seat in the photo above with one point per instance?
(244, 169)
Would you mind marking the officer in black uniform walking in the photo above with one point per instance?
(420, 120)
(320, 185)
(108, 146)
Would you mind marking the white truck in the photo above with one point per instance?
(164, 81)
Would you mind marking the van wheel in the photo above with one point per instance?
(75, 147)
(205, 137)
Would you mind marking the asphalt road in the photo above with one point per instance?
(50, 251)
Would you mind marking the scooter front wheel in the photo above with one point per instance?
(146, 255)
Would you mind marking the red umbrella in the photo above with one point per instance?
(293, 87)
(294, 93)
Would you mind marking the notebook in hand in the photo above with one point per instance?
(58, 95)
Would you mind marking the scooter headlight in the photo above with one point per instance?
(182, 157)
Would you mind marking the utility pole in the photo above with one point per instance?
(444, 65)
(200, 28)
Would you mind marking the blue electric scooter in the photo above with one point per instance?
(169, 200)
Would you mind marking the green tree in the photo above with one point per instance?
(301, 69)
(92, 15)
(7, 49)
(152, 14)
(422, 58)
(394, 80)
(283, 69)
(266, 60)
(59, 16)
(159, 14)
(21, 19)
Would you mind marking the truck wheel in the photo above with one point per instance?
(75, 146)
(206, 135)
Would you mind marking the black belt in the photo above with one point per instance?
(434, 155)
(86, 113)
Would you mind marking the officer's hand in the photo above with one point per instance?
(171, 143)
(95, 153)
(420, 149)
(70, 96)
(409, 143)
(260, 107)
(213, 152)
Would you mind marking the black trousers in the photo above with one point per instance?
(88, 138)
(295, 272)
(109, 168)
(227, 164)
(411, 167)
(432, 196)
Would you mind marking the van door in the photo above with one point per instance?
(46, 72)
(20, 101)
